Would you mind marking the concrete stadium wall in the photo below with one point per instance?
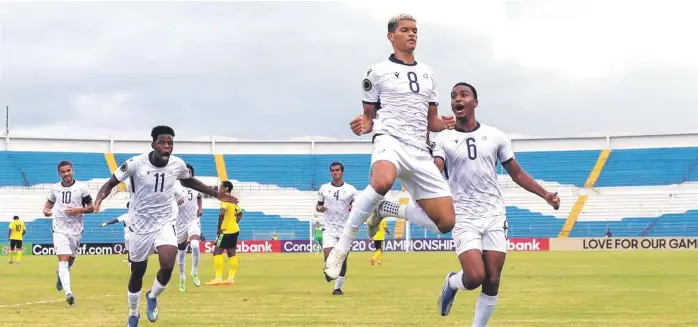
(213, 145)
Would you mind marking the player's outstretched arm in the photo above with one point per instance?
(104, 191)
(523, 179)
(111, 222)
(198, 185)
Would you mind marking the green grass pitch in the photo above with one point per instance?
(538, 289)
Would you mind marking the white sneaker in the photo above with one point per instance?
(334, 262)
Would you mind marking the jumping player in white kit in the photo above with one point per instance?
(468, 157)
(67, 201)
(188, 227)
(152, 178)
(334, 201)
(400, 105)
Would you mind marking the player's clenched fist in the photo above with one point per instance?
(361, 125)
(449, 122)
(553, 200)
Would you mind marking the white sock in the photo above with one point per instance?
(411, 212)
(134, 299)
(181, 256)
(364, 204)
(483, 309)
(339, 282)
(157, 289)
(456, 281)
(195, 256)
(64, 275)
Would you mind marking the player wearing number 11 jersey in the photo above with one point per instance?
(468, 155)
(152, 177)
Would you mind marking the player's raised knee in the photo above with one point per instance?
(445, 226)
(473, 281)
(383, 175)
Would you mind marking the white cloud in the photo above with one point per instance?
(284, 70)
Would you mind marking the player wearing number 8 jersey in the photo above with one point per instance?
(468, 155)
(400, 105)
(67, 201)
(152, 177)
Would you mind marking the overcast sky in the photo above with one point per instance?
(285, 70)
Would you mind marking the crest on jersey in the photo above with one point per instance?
(124, 167)
(426, 76)
(484, 138)
(367, 84)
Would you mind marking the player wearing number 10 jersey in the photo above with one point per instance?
(67, 201)
(468, 155)
(152, 177)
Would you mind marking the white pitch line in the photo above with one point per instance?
(52, 301)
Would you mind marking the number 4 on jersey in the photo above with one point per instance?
(336, 195)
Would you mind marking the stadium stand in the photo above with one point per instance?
(639, 192)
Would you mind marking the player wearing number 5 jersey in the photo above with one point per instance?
(400, 105)
(188, 228)
(468, 155)
(67, 201)
(152, 177)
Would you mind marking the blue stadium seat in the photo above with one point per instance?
(24, 168)
(647, 167)
(634, 167)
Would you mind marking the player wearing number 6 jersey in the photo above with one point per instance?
(67, 201)
(400, 105)
(334, 202)
(152, 177)
(468, 155)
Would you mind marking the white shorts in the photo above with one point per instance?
(140, 246)
(65, 244)
(485, 234)
(329, 240)
(415, 167)
(194, 228)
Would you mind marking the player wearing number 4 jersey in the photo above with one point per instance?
(334, 202)
(67, 201)
(405, 92)
(468, 156)
(152, 177)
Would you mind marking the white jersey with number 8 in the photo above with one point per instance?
(404, 93)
